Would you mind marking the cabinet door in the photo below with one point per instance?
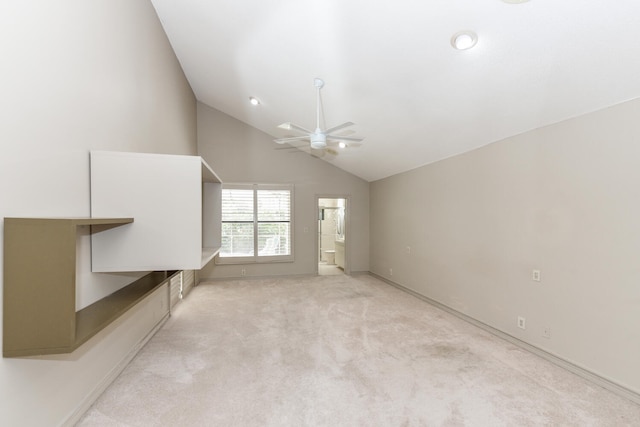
(340, 255)
(164, 194)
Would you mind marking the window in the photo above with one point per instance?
(256, 223)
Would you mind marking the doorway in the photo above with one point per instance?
(332, 236)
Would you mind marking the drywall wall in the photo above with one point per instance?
(469, 231)
(242, 154)
(80, 76)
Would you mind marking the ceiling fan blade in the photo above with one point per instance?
(342, 126)
(317, 153)
(348, 144)
(291, 139)
(289, 126)
(303, 150)
(344, 138)
(320, 139)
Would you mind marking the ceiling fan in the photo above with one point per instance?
(319, 139)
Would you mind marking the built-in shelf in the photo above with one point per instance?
(39, 296)
(176, 201)
(100, 314)
(208, 254)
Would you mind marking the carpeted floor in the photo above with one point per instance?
(340, 351)
(325, 269)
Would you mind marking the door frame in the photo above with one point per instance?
(347, 230)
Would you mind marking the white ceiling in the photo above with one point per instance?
(390, 68)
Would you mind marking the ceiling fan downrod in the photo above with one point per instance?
(318, 138)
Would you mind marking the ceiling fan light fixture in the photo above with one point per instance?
(254, 101)
(318, 140)
(464, 40)
(318, 137)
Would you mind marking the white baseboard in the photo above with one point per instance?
(361, 273)
(555, 359)
(86, 403)
(274, 276)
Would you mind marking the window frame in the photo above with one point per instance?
(256, 258)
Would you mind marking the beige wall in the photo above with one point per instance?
(239, 153)
(78, 76)
(564, 199)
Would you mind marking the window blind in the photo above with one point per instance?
(256, 223)
(237, 223)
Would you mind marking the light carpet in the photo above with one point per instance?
(329, 269)
(340, 351)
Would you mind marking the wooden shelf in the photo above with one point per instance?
(208, 254)
(39, 295)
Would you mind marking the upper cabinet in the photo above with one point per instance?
(176, 203)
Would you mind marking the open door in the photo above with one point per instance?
(332, 235)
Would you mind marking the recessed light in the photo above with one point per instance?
(254, 101)
(342, 145)
(463, 40)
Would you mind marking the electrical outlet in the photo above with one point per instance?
(546, 332)
(522, 322)
(535, 275)
(391, 272)
(243, 272)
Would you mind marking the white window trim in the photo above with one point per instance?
(262, 259)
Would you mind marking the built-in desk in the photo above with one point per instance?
(39, 296)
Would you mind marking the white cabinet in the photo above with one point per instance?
(176, 205)
(340, 253)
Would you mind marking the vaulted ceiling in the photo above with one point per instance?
(389, 67)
